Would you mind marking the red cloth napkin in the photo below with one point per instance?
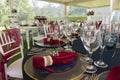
(114, 73)
(98, 24)
(52, 41)
(63, 58)
(74, 34)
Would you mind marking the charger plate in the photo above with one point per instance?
(70, 73)
(41, 44)
(102, 76)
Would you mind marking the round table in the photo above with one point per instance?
(78, 47)
(30, 73)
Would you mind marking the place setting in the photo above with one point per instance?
(52, 41)
(60, 63)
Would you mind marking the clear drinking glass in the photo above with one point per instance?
(84, 38)
(91, 44)
(103, 39)
(67, 34)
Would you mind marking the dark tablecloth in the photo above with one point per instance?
(78, 46)
(107, 55)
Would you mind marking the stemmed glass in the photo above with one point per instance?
(102, 43)
(116, 39)
(117, 31)
(84, 39)
(67, 34)
(57, 35)
(91, 44)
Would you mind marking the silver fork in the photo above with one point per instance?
(87, 77)
(93, 76)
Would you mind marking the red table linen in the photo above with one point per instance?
(63, 58)
(52, 41)
(114, 73)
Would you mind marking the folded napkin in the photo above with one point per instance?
(52, 41)
(114, 73)
(44, 62)
(98, 24)
(59, 68)
(46, 40)
(74, 34)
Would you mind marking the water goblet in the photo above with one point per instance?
(91, 45)
(67, 34)
(102, 43)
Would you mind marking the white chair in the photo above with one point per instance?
(40, 36)
(10, 46)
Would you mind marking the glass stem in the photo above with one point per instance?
(69, 46)
(101, 54)
(90, 56)
(59, 44)
(118, 38)
(87, 54)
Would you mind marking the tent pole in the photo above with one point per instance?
(65, 13)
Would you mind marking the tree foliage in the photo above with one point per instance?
(4, 13)
(26, 12)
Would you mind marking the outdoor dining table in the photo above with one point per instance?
(30, 73)
(79, 48)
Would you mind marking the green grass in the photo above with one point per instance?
(75, 18)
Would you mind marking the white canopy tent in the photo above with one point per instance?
(88, 4)
(82, 3)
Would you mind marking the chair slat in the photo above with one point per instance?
(13, 55)
(9, 39)
(8, 43)
(2, 41)
(12, 50)
(5, 37)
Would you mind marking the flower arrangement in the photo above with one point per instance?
(90, 13)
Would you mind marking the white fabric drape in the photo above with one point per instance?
(115, 11)
(115, 5)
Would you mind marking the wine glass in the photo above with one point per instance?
(84, 38)
(91, 44)
(103, 39)
(67, 34)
